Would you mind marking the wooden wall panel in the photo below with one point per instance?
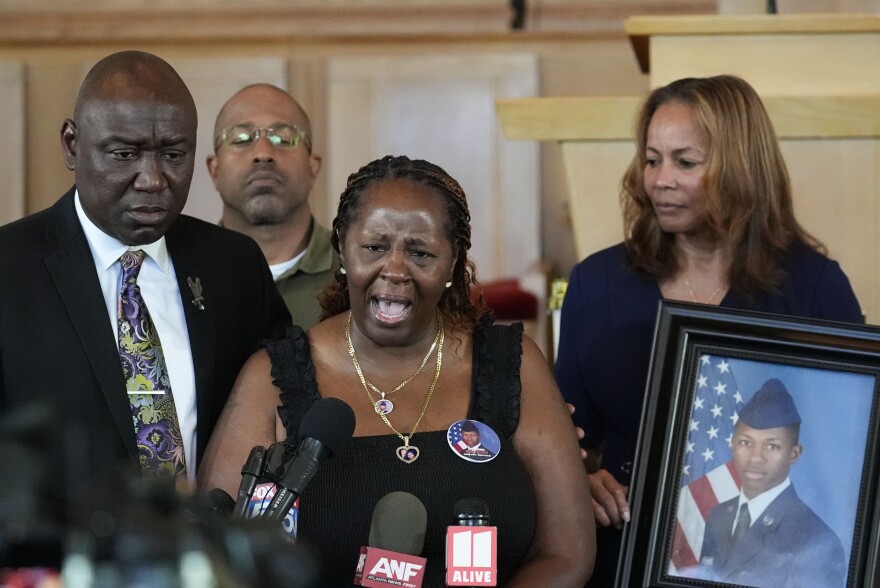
(12, 147)
(441, 108)
(837, 198)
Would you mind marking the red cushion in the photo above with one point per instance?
(508, 301)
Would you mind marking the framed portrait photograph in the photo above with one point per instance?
(757, 456)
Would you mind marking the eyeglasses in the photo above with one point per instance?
(283, 136)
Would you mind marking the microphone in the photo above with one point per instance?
(221, 503)
(325, 431)
(250, 473)
(471, 546)
(397, 535)
(277, 456)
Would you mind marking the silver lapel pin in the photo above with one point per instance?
(196, 287)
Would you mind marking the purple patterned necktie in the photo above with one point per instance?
(159, 442)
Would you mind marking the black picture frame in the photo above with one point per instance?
(836, 367)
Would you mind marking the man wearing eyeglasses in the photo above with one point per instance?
(264, 169)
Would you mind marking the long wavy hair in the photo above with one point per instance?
(455, 303)
(746, 187)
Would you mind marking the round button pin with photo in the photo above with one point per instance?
(473, 441)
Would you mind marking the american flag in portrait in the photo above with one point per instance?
(454, 436)
(708, 477)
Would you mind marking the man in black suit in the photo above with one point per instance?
(131, 145)
(767, 536)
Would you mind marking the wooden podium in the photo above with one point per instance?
(819, 78)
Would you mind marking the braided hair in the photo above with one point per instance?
(455, 303)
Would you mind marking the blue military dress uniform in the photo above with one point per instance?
(788, 546)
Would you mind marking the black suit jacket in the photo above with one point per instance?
(57, 345)
(788, 547)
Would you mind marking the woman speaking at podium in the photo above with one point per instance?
(403, 344)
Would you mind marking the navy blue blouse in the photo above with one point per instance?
(607, 328)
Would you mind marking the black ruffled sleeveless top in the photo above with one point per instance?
(337, 507)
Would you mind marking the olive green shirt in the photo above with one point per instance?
(300, 285)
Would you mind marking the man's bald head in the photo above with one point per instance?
(250, 98)
(134, 75)
(131, 145)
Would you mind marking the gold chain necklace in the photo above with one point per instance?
(385, 406)
(406, 453)
(694, 296)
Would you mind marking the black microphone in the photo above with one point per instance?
(220, 502)
(258, 496)
(472, 512)
(397, 535)
(277, 456)
(325, 431)
(250, 473)
(471, 546)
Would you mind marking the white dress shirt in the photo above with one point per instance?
(759, 503)
(158, 285)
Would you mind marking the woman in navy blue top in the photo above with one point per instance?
(709, 219)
